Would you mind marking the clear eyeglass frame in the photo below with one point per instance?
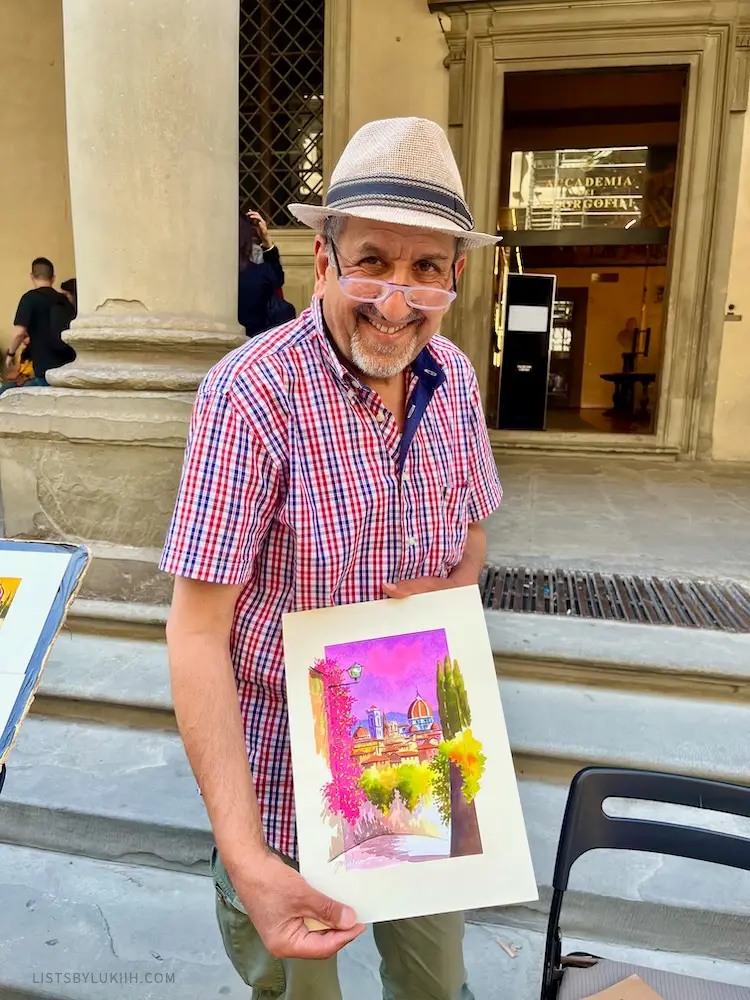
(423, 298)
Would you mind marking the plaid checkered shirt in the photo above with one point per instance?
(298, 485)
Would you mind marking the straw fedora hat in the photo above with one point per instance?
(399, 170)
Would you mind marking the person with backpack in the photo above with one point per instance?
(43, 315)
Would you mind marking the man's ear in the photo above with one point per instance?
(321, 266)
(460, 265)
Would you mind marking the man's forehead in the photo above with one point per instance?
(365, 236)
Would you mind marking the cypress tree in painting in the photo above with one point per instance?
(461, 757)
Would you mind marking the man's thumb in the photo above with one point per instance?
(333, 915)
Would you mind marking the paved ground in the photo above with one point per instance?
(624, 515)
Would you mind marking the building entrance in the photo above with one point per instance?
(587, 185)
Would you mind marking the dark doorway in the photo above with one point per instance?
(587, 179)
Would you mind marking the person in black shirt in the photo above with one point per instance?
(261, 278)
(42, 316)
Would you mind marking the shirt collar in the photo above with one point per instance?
(425, 366)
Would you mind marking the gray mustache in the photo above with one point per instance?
(370, 312)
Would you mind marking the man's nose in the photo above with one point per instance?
(395, 307)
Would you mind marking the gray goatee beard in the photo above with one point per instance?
(382, 361)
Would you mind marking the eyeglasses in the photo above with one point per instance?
(424, 298)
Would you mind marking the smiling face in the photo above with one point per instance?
(381, 339)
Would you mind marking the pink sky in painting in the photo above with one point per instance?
(395, 668)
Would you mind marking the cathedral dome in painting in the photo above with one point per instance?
(420, 715)
(419, 709)
(361, 733)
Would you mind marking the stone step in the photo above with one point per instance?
(154, 932)
(555, 728)
(125, 795)
(111, 792)
(110, 677)
(616, 655)
(100, 771)
(107, 679)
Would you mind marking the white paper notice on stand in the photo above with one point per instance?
(406, 795)
(37, 582)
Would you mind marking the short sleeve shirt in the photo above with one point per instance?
(299, 486)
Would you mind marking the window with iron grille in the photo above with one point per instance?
(281, 105)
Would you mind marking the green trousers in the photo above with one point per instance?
(422, 958)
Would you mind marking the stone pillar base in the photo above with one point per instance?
(100, 468)
(143, 351)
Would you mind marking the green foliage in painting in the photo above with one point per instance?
(411, 781)
(453, 702)
(379, 785)
(441, 783)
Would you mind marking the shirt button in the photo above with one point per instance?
(352, 395)
(411, 540)
(380, 417)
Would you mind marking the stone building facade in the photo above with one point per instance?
(122, 154)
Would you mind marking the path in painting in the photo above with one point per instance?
(395, 850)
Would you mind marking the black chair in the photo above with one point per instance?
(586, 827)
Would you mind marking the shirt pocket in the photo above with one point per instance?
(454, 525)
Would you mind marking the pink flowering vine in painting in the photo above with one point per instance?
(343, 794)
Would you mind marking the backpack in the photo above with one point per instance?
(61, 314)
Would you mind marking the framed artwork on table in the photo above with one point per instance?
(405, 790)
(38, 581)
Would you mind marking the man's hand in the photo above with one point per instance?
(466, 574)
(9, 369)
(278, 900)
(422, 585)
(257, 218)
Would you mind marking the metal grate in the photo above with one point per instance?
(644, 599)
(281, 105)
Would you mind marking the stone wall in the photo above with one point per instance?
(731, 438)
(34, 198)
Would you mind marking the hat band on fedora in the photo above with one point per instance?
(398, 192)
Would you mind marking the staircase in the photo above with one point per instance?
(104, 840)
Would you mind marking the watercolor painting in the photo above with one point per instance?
(406, 799)
(8, 590)
(393, 724)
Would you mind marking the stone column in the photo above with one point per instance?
(152, 92)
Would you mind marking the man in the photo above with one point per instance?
(43, 314)
(337, 459)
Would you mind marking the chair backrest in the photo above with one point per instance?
(587, 827)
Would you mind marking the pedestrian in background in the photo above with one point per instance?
(261, 280)
(43, 315)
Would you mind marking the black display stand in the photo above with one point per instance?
(524, 373)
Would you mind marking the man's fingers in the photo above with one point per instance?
(324, 944)
(397, 589)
